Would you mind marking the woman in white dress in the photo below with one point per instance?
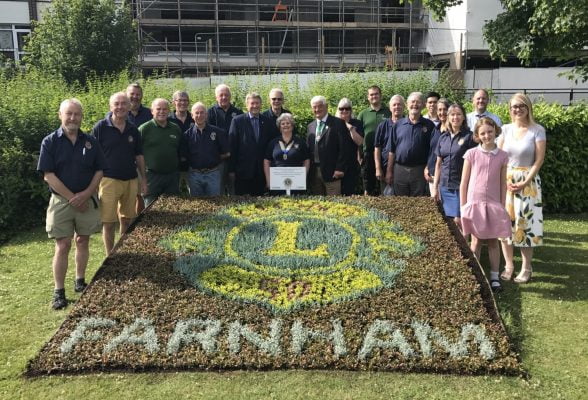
(525, 141)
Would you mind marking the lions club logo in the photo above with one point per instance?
(285, 254)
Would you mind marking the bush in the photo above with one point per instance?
(28, 112)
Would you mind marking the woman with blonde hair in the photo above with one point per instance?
(525, 141)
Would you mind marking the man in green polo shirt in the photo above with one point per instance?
(161, 143)
(371, 118)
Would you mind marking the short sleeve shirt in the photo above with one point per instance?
(410, 142)
(161, 146)
(203, 148)
(74, 164)
(221, 119)
(291, 154)
(451, 150)
(521, 152)
(371, 119)
(382, 139)
(120, 148)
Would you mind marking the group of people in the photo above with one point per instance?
(487, 182)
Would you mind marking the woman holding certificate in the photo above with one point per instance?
(286, 150)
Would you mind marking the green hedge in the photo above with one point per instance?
(28, 112)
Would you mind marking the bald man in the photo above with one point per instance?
(121, 142)
(72, 164)
(205, 147)
(161, 143)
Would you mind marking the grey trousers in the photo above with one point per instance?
(409, 181)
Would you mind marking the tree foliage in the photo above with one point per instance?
(535, 29)
(80, 38)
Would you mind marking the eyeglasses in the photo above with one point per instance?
(277, 99)
(518, 107)
(344, 108)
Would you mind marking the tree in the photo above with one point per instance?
(533, 30)
(80, 38)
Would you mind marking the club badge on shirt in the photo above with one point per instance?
(424, 129)
(213, 135)
(461, 141)
(131, 139)
(88, 145)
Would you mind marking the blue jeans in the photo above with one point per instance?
(204, 183)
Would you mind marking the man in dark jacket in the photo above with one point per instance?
(329, 143)
(249, 136)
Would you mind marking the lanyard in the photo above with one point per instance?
(285, 149)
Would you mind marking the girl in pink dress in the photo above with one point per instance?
(483, 193)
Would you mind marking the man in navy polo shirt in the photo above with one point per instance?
(221, 115)
(121, 142)
(249, 135)
(138, 114)
(72, 164)
(409, 149)
(205, 146)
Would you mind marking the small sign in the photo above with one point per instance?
(288, 178)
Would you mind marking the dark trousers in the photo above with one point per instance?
(350, 180)
(409, 181)
(370, 183)
(159, 184)
(253, 187)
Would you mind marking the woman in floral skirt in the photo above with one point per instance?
(525, 141)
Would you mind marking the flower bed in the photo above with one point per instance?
(361, 284)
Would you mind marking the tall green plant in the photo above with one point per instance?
(78, 38)
(28, 112)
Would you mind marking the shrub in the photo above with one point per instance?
(28, 112)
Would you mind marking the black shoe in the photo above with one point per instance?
(59, 300)
(495, 285)
(80, 285)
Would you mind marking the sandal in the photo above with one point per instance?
(495, 285)
(524, 276)
(507, 274)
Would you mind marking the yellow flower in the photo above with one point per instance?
(519, 236)
(537, 240)
(522, 223)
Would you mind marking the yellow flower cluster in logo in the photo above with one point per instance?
(285, 253)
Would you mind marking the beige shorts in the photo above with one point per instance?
(63, 219)
(117, 197)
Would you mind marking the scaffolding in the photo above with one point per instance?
(212, 36)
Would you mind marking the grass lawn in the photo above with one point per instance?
(547, 319)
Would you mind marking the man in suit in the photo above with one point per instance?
(249, 136)
(329, 142)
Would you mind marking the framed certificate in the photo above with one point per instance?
(287, 178)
